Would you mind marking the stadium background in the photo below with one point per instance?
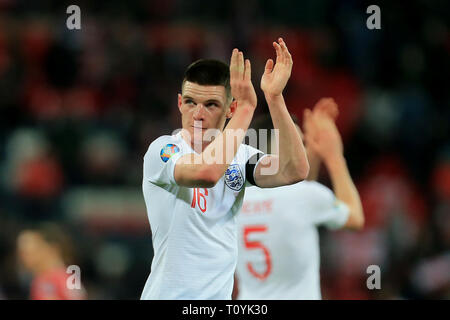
(79, 109)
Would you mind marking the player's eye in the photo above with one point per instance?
(188, 101)
(211, 104)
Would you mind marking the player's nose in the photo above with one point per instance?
(199, 112)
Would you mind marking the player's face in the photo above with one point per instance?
(203, 108)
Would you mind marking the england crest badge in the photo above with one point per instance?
(233, 177)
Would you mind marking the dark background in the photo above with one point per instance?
(78, 109)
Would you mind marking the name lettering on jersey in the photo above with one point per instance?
(234, 178)
(168, 150)
(255, 207)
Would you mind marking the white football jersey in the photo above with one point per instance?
(193, 229)
(279, 254)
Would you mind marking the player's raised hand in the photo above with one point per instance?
(276, 75)
(322, 135)
(325, 107)
(328, 107)
(241, 80)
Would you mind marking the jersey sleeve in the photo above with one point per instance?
(326, 209)
(160, 160)
(253, 157)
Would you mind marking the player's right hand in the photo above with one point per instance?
(241, 80)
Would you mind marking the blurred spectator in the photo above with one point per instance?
(45, 252)
(80, 107)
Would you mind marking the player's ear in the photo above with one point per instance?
(231, 109)
(180, 101)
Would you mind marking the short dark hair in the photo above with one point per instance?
(209, 72)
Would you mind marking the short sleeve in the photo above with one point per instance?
(326, 209)
(253, 157)
(160, 160)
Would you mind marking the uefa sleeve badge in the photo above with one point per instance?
(167, 151)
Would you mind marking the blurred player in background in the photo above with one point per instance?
(46, 251)
(279, 254)
(192, 201)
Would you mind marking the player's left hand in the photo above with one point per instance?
(276, 76)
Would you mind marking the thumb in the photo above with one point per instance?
(269, 66)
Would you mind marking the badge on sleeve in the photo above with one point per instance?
(233, 177)
(167, 151)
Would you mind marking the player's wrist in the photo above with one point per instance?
(270, 96)
(246, 106)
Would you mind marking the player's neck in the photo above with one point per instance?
(197, 147)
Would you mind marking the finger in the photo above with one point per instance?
(233, 64)
(334, 111)
(319, 103)
(311, 124)
(248, 70)
(269, 66)
(284, 54)
(241, 65)
(334, 108)
(328, 107)
(288, 55)
(322, 106)
(278, 51)
(313, 121)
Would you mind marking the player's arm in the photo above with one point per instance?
(324, 138)
(314, 165)
(205, 169)
(291, 160)
(326, 107)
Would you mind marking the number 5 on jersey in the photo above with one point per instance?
(199, 199)
(252, 245)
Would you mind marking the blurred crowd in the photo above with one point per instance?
(80, 107)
